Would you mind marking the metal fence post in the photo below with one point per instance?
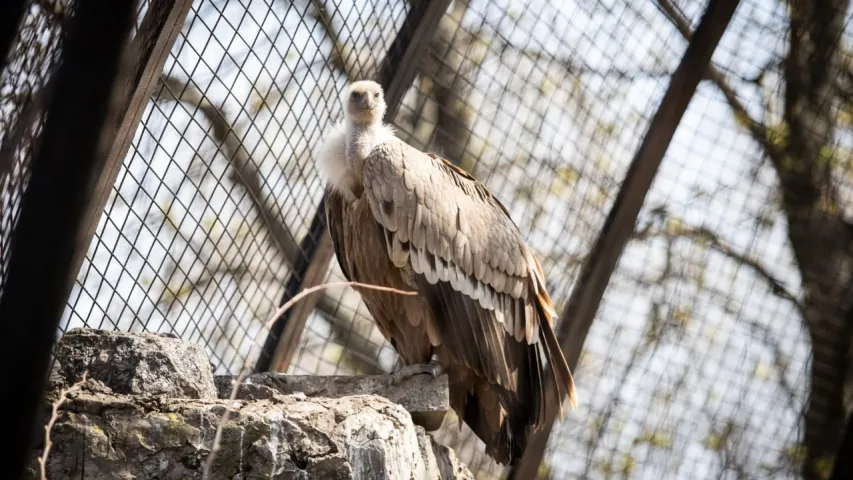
(396, 75)
(69, 155)
(595, 274)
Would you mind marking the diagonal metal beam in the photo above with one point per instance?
(595, 274)
(396, 75)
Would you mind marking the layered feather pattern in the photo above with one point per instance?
(420, 222)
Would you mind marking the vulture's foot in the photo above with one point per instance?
(431, 367)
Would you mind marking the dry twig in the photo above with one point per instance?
(54, 416)
(278, 313)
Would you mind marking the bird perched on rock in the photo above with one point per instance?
(402, 218)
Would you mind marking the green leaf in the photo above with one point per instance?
(568, 174)
(681, 315)
(714, 442)
(655, 439)
(628, 464)
(743, 119)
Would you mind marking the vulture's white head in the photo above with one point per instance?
(365, 103)
(347, 145)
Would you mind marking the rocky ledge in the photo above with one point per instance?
(150, 410)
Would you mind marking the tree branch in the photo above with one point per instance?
(448, 59)
(760, 133)
(341, 56)
(54, 416)
(777, 287)
(243, 170)
(713, 241)
(575, 68)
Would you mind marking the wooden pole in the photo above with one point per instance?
(595, 274)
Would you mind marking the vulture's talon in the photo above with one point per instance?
(432, 368)
(435, 367)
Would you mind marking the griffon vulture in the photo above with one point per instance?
(411, 220)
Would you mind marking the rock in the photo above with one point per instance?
(449, 465)
(440, 459)
(113, 436)
(150, 410)
(246, 391)
(137, 363)
(424, 397)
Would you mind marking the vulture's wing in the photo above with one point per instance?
(333, 205)
(450, 230)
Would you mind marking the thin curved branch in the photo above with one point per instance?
(757, 130)
(713, 241)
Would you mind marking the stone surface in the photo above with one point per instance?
(424, 397)
(103, 435)
(441, 459)
(150, 410)
(137, 363)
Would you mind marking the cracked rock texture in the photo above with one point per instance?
(137, 363)
(426, 398)
(103, 434)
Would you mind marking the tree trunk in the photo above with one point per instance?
(819, 236)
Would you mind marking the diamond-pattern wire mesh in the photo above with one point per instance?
(24, 97)
(697, 363)
(198, 235)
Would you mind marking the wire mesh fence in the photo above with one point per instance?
(204, 221)
(699, 363)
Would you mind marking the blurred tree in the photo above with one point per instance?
(802, 149)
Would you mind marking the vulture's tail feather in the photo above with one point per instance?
(524, 408)
(559, 367)
(522, 411)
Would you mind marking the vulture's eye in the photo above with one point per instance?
(355, 95)
(376, 95)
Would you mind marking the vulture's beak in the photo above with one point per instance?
(367, 102)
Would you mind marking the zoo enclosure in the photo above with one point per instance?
(206, 215)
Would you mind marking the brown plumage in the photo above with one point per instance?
(406, 219)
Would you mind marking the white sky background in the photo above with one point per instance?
(662, 404)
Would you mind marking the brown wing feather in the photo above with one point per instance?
(512, 369)
(333, 205)
(447, 226)
(500, 413)
(402, 320)
(485, 289)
